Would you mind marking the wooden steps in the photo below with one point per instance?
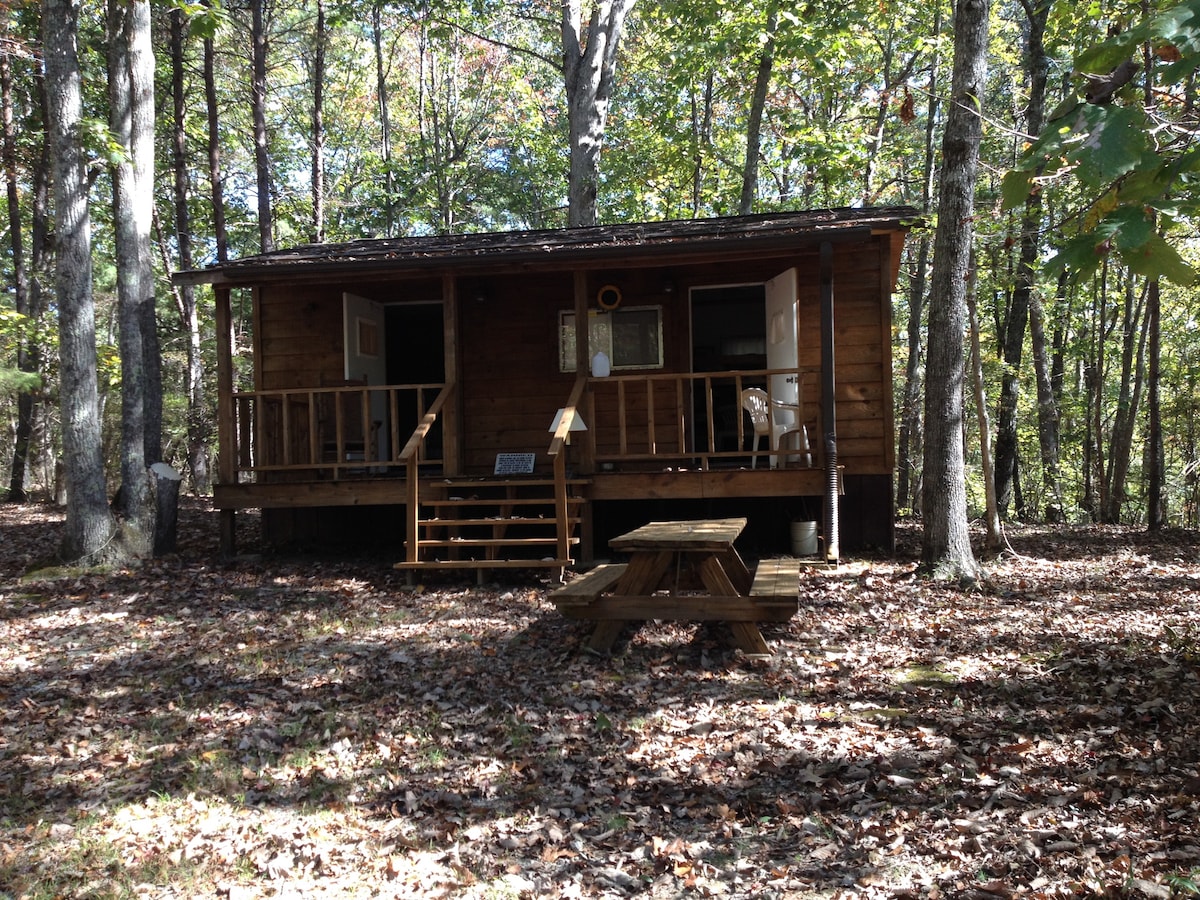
(495, 523)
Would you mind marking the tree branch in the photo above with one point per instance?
(495, 42)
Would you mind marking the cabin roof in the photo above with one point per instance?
(642, 243)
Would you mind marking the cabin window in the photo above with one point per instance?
(631, 336)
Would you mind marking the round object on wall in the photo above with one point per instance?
(609, 297)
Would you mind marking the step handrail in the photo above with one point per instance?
(410, 456)
(558, 454)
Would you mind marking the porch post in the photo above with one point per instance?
(452, 415)
(583, 363)
(583, 332)
(828, 409)
(226, 425)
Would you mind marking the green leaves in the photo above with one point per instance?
(1174, 36)
(1132, 161)
(1131, 233)
(13, 381)
(204, 19)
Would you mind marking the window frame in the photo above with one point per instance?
(566, 324)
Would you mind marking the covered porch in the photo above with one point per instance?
(684, 436)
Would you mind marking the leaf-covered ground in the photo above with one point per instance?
(274, 727)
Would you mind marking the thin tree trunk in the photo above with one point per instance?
(26, 359)
(701, 141)
(589, 69)
(318, 128)
(1156, 510)
(40, 257)
(89, 525)
(994, 537)
(758, 102)
(1097, 499)
(216, 188)
(258, 104)
(909, 443)
(1047, 413)
(946, 547)
(385, 117)
(1036, 12)
(1133, 369)
(1058, 343)
(884, 105)
(197, 432)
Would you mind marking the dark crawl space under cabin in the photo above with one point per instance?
(436, 398)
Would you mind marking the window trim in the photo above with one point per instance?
(567, 366)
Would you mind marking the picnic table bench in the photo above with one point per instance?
(651, 585)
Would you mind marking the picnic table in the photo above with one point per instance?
(683, 571)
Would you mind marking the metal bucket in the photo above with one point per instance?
(804, 539)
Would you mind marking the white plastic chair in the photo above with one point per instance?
(762, 415)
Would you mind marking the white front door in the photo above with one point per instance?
(364, 333)
(783, 350)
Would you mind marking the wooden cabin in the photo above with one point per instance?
(436, 398)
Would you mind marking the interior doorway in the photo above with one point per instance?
(416, 354)
(728, 334)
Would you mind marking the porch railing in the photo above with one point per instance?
(693, 419)
(696, 419)
(332, 431)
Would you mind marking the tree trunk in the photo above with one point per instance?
(131, 109)
(1133, 369)
(216, 190)
(1095, 497)
(385, 118)
(758, 102)
(589, 68)
(26, 358)
(197, 431)
(701, 141)
(318, 128)
(1036, 12)
(258, 104)
(994, 536)
(1047, 414)
(910, 411)
(40, 255)
(141, 69)
(152, 362)
(892, 79)
(1156, 511)
(946, 546)
(89, 524)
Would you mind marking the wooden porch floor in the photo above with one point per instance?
(677, 484)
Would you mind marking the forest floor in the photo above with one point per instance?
(279, 727)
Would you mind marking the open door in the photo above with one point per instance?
(417, 355)
(727, 335)
(783, 350)
(365, 332)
